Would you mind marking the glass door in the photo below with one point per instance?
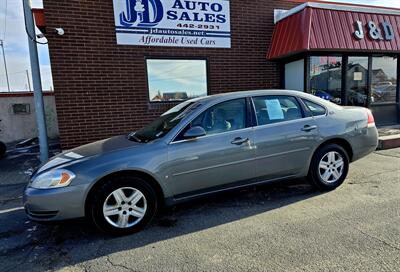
(384, 79)
(384, 89)
(357, 81)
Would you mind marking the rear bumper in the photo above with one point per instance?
(365, 143)
(55, 204)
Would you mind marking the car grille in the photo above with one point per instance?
(41, 214)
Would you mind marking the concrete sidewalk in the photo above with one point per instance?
(389, 137)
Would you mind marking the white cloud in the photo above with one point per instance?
(16, 49)
(181, 71)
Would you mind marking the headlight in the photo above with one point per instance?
(53, 179)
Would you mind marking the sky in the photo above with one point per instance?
(16, 49)
(16, 44)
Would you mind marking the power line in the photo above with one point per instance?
(15, 72)
(5, 20)
(5, 64)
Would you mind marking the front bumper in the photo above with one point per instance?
(55, 204)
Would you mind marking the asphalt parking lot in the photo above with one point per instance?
(285, 226)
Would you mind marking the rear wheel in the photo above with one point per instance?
(329, 167)
(123, 205)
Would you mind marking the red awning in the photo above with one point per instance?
(327, 27)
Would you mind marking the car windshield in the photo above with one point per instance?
(163, 124)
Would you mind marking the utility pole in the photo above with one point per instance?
(29, 81)
(37, 84)
(5, 64)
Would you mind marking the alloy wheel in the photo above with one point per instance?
(331, 167)
(125, 207)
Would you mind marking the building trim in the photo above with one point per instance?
(22, 94)
(279, 16)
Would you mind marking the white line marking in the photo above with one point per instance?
(11, 210)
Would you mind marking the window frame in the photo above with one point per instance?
(152, 57)
(381, 107)
(345, 56)
(304, 111)
(307, 71)
(248, 121)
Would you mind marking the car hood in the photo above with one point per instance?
(89, 150)
(105, 146)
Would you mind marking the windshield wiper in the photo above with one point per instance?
(133, 137)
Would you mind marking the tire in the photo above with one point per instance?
(123, 216)
(325, 171)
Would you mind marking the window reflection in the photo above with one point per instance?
(176, 80)
(326, 77)
(357, 81)
(384, 78)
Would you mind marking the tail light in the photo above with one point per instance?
(371, 120)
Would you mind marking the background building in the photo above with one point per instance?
(346, 54)
(121, 63)
(17, 116)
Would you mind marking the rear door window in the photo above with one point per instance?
(314, 108)
(276, 108)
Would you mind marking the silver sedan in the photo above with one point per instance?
(202, 146)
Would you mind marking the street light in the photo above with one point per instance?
(5, 64)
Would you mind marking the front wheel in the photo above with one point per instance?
(123, 205)
(329, 167)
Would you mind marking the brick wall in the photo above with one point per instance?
(101, 87)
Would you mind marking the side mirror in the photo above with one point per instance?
(194, 132)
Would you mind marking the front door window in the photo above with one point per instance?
(223, 117)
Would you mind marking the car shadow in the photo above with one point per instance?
(76, 241)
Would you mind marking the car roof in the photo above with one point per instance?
(240, 94)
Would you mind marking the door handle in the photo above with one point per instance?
(239, 141)
(308, 128)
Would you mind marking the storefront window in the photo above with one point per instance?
(294, 75)
(384, 78)
(326, 77)
(357, 81)
(176, 80)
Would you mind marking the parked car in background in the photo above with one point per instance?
(202, 146)
(384, 93)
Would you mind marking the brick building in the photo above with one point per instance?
(107, 83)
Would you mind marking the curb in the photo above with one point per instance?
(388, 142)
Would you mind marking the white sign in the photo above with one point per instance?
(357, 76)
(274, 109)
(179, 23)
